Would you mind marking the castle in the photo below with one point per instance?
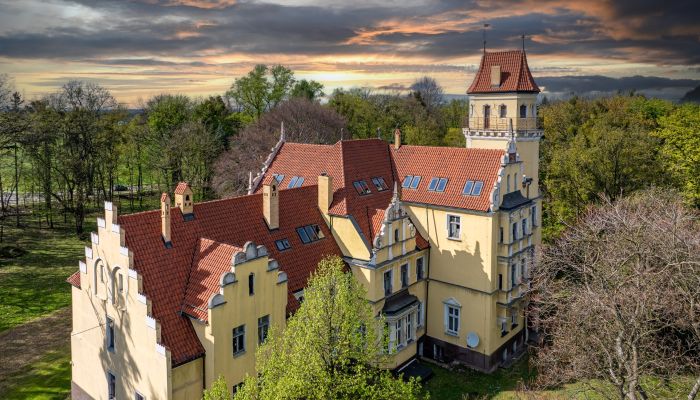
(441, 238)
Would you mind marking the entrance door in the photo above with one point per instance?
(487, 116)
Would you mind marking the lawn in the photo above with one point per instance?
(34, 284)
(47, 378)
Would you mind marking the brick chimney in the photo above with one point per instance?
(325, 192)
(165, 219)
(183, 199)
(397, 138)
(271, 205)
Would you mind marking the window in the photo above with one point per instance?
(507, 183)
(310, 233)
(524, 225)
(138, 396)
(396, 235)
(102, 273)
(433, 184)
(387, 283)
(500, 281)
(502, 111)
(295, 182)
(263, 328)
(109, 325)
(409, 328)
(513, 271)
(361, 187)
(504, 330)
(522, 268)
(111, 386)
(120, 282)
(441, 185)
(472, 188)
(238, 340)
(380, 184)
(415, 182)
(406, 181)
(513, 320)
(533, 215)
(282, 244)
(419, 314)
(404, 275)
(523, 111)
(452, 316)
(453, 227)
(251, 284)
(515, 232)
(399, 332)
(420, 273)
(278, 177)
(500, 236)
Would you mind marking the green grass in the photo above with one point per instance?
(34, 284)
(48, 378)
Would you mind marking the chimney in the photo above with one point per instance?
(271, 205)
(165, 219)
(183, 200)
(325, 192)
(495, 75)
(397, 138)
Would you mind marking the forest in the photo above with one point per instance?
(61, 155)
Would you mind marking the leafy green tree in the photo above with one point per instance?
(332, 348)
(166, 114)
(455, 138)
(455, 112)
(218, 390)
(217, 119)
(282, 80)
(310, 89)
(261, 89)
(680, 132)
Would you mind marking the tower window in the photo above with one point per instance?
(523, 111)
(251, 284)
(502, 111)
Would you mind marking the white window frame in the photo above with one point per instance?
(450, 223)
(234, 336)
(407, 276)
(389, 272)
(455, 315)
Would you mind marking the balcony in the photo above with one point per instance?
(495, 124)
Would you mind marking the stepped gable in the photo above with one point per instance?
(514, 73)
(230, 222)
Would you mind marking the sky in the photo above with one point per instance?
(142, 48)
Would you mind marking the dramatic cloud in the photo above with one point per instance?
(200, 46)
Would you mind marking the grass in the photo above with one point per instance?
(48, 378)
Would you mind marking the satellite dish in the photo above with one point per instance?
(472, 339)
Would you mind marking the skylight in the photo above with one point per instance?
(415, 182)
(437, 185)
(278, 177)
(309, 233)
(295, 182)
(441, 185)
(407, 181)
(380, 184)
(433, 184)
(473, 188)
(361, 187)
(282, 244)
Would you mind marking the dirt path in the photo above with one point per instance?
(26, 343)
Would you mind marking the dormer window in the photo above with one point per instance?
(380, 184)
(495, 75)
(361, 187)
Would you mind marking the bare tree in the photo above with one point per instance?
(304, 121)
(6, 90)
(616, 298)
(429, 93)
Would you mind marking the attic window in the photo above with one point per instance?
(415, 182)
(310, 233)
(406, 181)
(278, 177)
(361, 187)
(437, 185)
(282, 244)
(295, 182)
(380, 184)
(473, 188)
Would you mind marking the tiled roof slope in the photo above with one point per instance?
(74, 279)
(455, 163)
(232, 222)
(211, 259)
(180, 189)
(515, 73)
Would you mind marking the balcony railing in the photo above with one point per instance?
(501, 124)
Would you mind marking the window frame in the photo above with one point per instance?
(111, 386)
(390, 289)
(468, 187)
(452, 319)
(406, 183)
(380, 184)
(415, 181)
(502, 111)
(138, 396)
(110, 334)
(236, 333)
(361, 187)
(451, 223)
(251, 284)
(282, 244)
(263, 328)
(442, 185)
(405, 278)
(523, 111)
(433, 184)
(420, 268)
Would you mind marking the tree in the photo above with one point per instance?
(304, 121)
(616, 297)
(166, 114)
(217, 119)
(332, 348)
(429, 93)
(680, 132)
(310, 90)
(6, 90)
(261, 89)
(218, 390)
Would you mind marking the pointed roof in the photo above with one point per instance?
(515, 73)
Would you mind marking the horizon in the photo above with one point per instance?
(198, 48)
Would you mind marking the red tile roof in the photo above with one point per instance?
(74, 279)
(211, 260)
(456, 164)
(231, 222)
(181, 187)
(515, 73)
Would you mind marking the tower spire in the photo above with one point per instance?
(483, 34)
(523, 37)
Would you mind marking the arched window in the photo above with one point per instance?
(502, 111)
(523, 111)
(116, 285)
(98, 274)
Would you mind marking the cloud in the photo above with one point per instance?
(597, 84)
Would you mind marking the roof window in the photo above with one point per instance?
(406, 181)
(437, 185)
(473, 188)
(310, 233)
(295, 182)
(361, 187)
(380, 184)
(282, 244)
(415, 182)
(278, 177)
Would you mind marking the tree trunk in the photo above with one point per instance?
(695, 390)
(17, 188)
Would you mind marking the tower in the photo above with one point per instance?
(503, 110)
